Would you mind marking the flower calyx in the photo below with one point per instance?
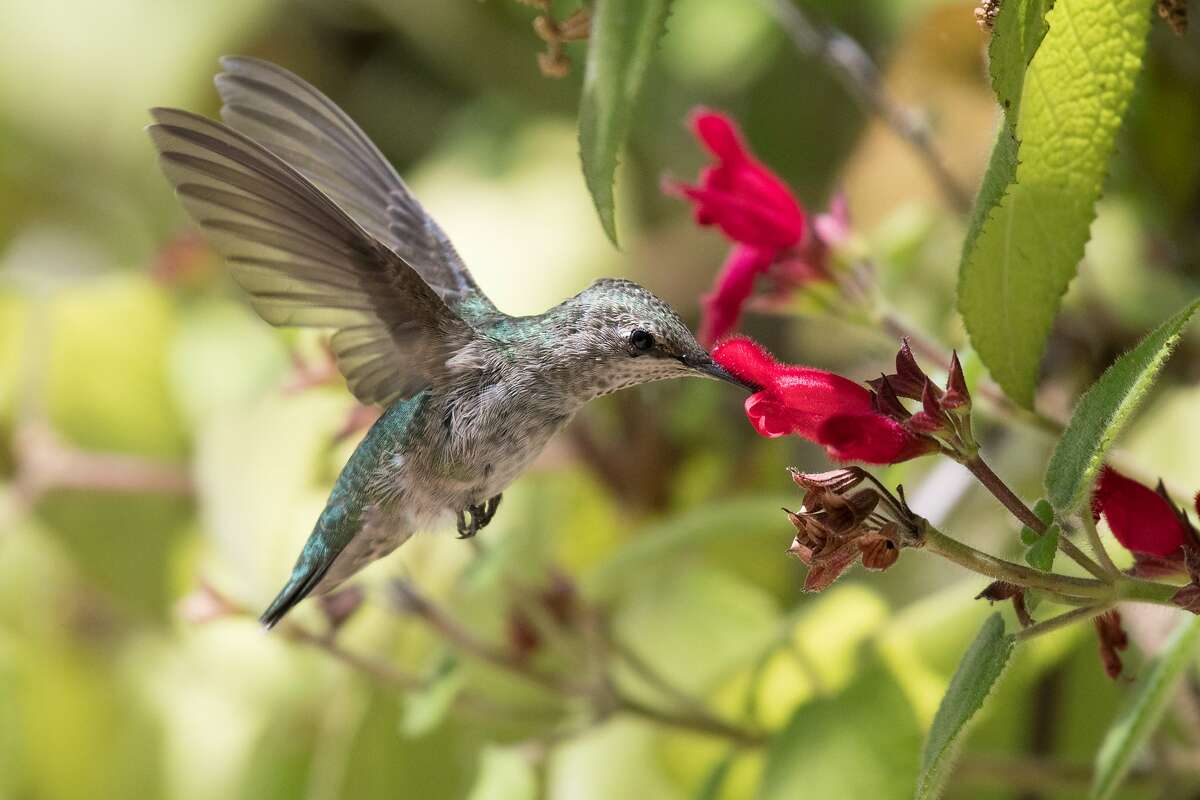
(944, 415)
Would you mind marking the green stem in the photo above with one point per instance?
(1138, 591)
(1062, 621)
(1089, 527)
(999, 489)
(1065, 587)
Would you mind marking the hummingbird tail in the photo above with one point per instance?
(304, 579)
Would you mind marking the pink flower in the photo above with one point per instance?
(1143, 520)
(828, 409)
(768, 225)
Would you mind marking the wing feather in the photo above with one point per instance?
(304, 261)
(307, 130)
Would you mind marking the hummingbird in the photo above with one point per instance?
(320, 231)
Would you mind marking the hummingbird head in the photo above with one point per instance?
(621, 335)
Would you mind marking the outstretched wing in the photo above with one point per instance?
(305, 262)
(307, 130)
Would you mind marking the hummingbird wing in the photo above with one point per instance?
(305, 262)
(307, 130)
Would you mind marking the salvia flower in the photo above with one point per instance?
(1143, 520)
(756, 210)
(848, 516)
(849, 420)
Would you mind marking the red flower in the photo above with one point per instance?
(824, 408)
(768, 225)
(739, 195)
(735, 283)
(1142, 519)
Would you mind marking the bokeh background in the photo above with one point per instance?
(163, 453)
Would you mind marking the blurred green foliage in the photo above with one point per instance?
(153, 439)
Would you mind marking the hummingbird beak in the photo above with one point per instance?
(706, 366)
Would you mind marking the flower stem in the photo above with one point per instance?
(1062, 621)
(999, 489)
(1067, 588)
(1089, 527)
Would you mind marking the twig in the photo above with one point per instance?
(46, 462)
(411, 600)
(999, 489)
(692, 722)
(380, 670)
(853, 67)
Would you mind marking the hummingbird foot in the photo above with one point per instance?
(473, 519)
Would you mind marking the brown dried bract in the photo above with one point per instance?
(1175, 12)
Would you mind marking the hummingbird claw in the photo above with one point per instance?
(480, 516)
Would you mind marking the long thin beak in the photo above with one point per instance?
(714, 370)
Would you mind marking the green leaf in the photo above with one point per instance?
(715, 780)
(861, 742)
(1104, 410)
(1040, 554)
(1033, 212)
(621, 43)
(1019, 30)
(977, 675)
(1043, 511)
(1151, 695)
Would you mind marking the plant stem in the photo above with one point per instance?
(705, 723)
(1089, 527)
(999, 489)
(1062, 621)
(1064, 587)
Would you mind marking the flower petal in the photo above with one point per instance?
(1141, 519)
(723, 305)
(871, 438)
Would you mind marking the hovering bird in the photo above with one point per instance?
(320, 230)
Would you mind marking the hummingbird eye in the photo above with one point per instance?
(641, 341)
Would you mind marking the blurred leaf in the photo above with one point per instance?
(505, 774)
(1133, 728)
(1030, 240)
(981, 668)
(616, 759)
(728, 528)
(441, 764)
(714, 782)
(1105, 409)
(424, 710)
(1040, 554)
(861, 742)
(622, 40)
(695, 622)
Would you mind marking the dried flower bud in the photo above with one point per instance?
(523, 636)
(837, 480)
(206, 604)
(880, 550)
(985, 14)
(341, 605)
(1188, 598)
(1175, 12)
(1112, 640)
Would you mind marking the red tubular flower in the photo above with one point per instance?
(1142, 519)
(753, 207)
(824, 408)
(738, 194)
(734, 285)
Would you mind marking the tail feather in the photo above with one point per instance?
(304, 579)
